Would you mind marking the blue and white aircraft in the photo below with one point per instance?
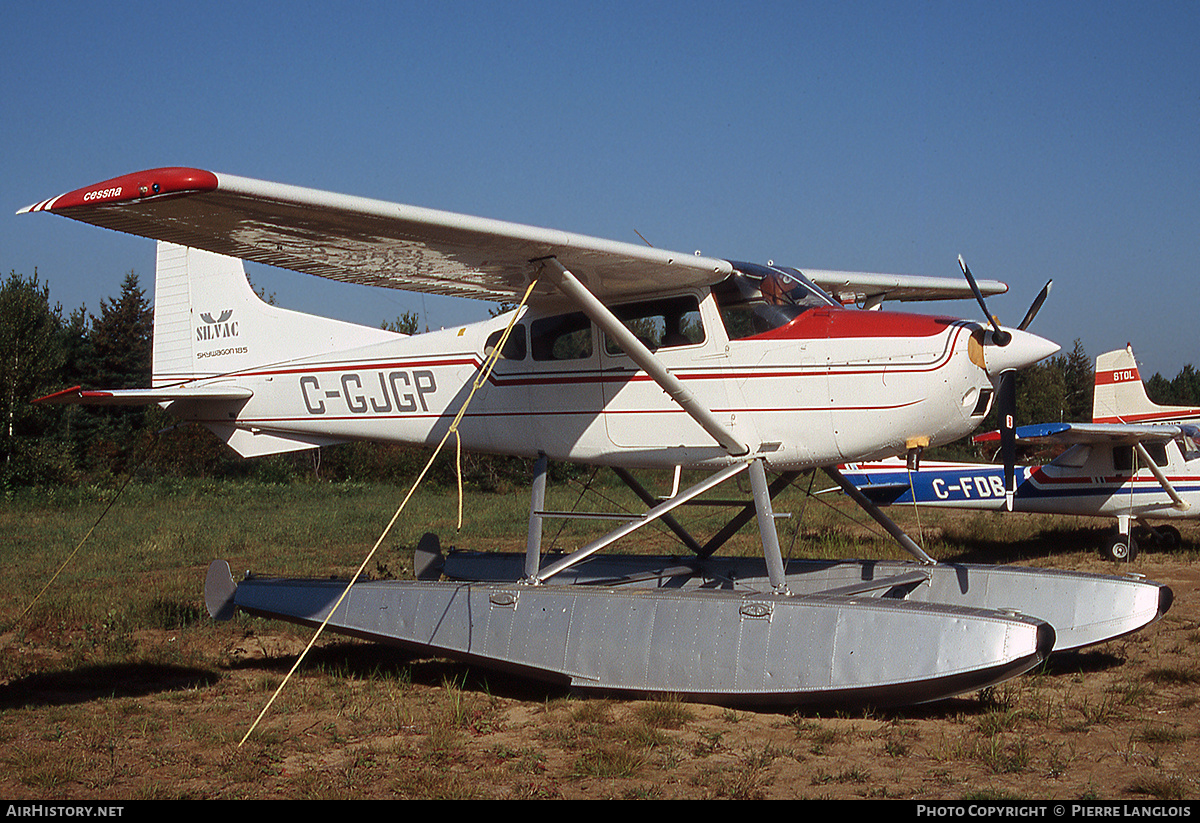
(1140, 473)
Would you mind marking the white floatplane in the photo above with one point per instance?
(619, 355)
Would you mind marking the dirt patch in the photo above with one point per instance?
(1118, 721)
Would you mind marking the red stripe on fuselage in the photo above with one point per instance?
(1172, 416)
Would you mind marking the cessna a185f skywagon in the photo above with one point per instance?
(619, 355)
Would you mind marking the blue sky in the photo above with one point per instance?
(1039, 140)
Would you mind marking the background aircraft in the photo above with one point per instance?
(1128, 464)
(1120, 395)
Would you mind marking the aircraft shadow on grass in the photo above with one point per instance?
(89, 683)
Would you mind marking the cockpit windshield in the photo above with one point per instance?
(757, 299)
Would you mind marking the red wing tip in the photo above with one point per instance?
(130, 188)
(73, 394)
(986, 437)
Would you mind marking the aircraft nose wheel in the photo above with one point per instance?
(1120, 548)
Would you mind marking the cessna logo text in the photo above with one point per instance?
(100, 194)
(380, 392)
(217, 328)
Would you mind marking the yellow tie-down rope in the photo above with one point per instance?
(484, 372)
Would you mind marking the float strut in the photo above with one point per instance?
(882, 519)
(766, 527)
(537, 504)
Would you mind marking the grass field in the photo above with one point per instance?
(116, 685)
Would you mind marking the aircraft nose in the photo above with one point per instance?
(1023, 349)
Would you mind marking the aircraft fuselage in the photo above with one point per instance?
(833, 384)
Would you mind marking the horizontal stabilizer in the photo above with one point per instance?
(142, 397)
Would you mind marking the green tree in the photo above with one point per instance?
(121, 338)
(1041, 393)
(1186, 386)
(116, 355)
(1182, 390)
(1079, 382)
(1158, 389)
(31, 357)
(407, 323)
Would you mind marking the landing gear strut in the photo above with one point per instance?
(1121, 547)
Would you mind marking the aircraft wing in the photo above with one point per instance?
(378, 243)
(866, 288)
(365, 241)
(1070, 433)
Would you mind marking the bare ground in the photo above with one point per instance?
(163, 716)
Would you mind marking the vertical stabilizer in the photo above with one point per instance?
(1120, 395)
(208, 321)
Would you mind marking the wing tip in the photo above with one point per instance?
(142, 185)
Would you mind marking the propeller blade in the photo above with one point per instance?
(1006, 402)
(1036, 306)
(1000, 336)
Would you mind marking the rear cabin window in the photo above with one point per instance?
(1157, 452)
(562, 337)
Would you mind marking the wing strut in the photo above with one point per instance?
(642, 356)
(882, 519)
(766, 527)
(1180, 504)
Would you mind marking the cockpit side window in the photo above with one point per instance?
(1157, 452)
(660, 324)
(757, 299)
(1125, 456)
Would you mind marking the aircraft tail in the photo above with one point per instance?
(212, 333)
(208, 321)
(1120, 395)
